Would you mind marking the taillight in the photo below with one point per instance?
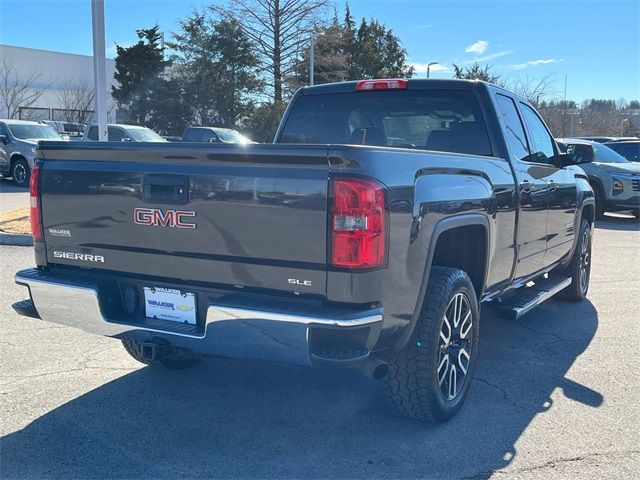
(34, 210)
(382, 84)
(358, 223)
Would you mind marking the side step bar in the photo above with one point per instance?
(26, 308)
(527, 298)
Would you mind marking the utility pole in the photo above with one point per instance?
(429, 67)
(99, 67)
(564, 106)
(312, 60)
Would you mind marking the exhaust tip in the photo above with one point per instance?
(380, 370)
(376, 368)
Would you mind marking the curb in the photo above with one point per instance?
(16, 240)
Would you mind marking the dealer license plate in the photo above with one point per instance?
(170, 304)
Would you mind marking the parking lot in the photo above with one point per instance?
(11, 196)
(555, 396)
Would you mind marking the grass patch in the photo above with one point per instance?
(16, 221)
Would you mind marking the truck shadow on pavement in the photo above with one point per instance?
(258, 420)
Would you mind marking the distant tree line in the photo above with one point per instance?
(564, 119)
(235, 64)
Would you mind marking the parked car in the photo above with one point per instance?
(72, 130)
(123, 133)
(615, 180)
(214, 135)
(629, 149)
(603, 139)
(18, 140)
(329, 248)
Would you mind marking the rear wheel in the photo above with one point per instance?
(20, 172)
(579, 269)
(429, 379)
(175, 361)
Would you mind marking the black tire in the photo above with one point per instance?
(20, 172)
(579, 269)
(412, 384)
(173, 362)
(598, 195)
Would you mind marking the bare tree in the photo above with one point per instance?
(16, 92)
(76, 98)
(280, 30)
(534, 89)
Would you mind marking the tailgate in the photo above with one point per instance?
(251, 216)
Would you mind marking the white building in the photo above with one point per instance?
(65, 81)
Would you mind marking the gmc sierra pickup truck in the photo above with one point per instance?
(367, 236)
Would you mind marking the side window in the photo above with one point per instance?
(541, 141)
(116, 134)
(3, 130)
(93, 133)
(209, 136)
(513, 126)
(194, 135)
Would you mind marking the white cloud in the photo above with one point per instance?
(421, 68)
(424, 27)
(535, 63)
(485, 58)
(478, 47)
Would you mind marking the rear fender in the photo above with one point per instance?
(443, 225)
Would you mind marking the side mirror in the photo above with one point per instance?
(581, 153)
(4, 139)
(564, 159)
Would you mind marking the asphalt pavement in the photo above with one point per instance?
(12, 196)
(555, 396)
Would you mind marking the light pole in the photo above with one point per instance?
(99, 67)
(622, 125)
(429, 67)
(312, 60)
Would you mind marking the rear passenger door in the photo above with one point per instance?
(561, 195)
(532, 188)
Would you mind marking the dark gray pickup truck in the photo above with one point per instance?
(367, 236)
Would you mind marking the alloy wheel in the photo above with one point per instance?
(455, 346)
(585, 261)
(19, 173)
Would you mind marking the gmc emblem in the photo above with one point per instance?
(158, 218)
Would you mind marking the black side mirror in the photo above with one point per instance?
(581, 153)
(564, 159)
(4, 139)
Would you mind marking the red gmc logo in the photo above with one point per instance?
(158, 218)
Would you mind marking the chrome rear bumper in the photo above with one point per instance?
(228, 331)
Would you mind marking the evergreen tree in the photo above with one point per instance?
(139, 71)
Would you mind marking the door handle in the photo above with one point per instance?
(552, 186)
(165, 188)
(525, 186)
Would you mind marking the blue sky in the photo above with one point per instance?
(595, 43)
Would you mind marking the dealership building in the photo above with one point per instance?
(62, 82)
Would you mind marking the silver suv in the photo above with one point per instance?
(614, 179)
(18, 142)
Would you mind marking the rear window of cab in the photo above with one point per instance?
(441, 120)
